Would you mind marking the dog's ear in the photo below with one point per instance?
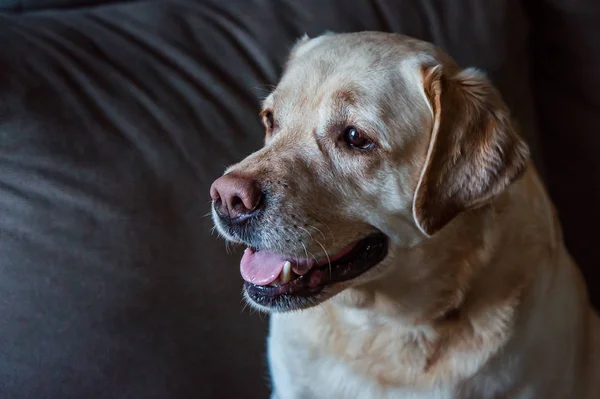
(474, 151)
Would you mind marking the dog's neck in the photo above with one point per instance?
(477, 260)
(466, 308)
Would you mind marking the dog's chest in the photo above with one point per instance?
(301, 369)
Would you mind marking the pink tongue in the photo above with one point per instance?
(262, 267)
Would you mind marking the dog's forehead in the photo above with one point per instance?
(349, 61)
(364, 66)
(377, 78)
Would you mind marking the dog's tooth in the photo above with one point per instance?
(286, 273)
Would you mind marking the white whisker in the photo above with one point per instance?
(322, 306)
(228, 247)
(308, 232)
(326, 254)
(245, 303)
(318, 230)
(328, 228)
(305, 250)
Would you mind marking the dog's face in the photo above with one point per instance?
(374, 142)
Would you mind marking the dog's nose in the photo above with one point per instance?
(236, 196)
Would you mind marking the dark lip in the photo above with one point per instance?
(303, 290)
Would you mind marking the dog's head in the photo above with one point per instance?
(374, 143)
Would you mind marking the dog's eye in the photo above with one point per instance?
(355, 139)
(268, 120)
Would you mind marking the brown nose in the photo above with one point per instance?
(236, 196)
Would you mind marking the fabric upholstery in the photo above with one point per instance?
(566, 61)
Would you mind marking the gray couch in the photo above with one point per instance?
(116, 117)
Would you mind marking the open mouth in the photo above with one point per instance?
(273, 281)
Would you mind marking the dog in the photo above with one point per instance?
(400, 237)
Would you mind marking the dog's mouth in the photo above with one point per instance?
(279, 283)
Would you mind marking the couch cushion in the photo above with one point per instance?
(113, 123)
(18, 6)
(567, 82)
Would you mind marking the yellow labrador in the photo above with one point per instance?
(401, 238)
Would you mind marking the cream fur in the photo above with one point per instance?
(477, 301)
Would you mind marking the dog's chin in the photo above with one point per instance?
(323, 280)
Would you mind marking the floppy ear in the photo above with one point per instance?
(474, 151)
